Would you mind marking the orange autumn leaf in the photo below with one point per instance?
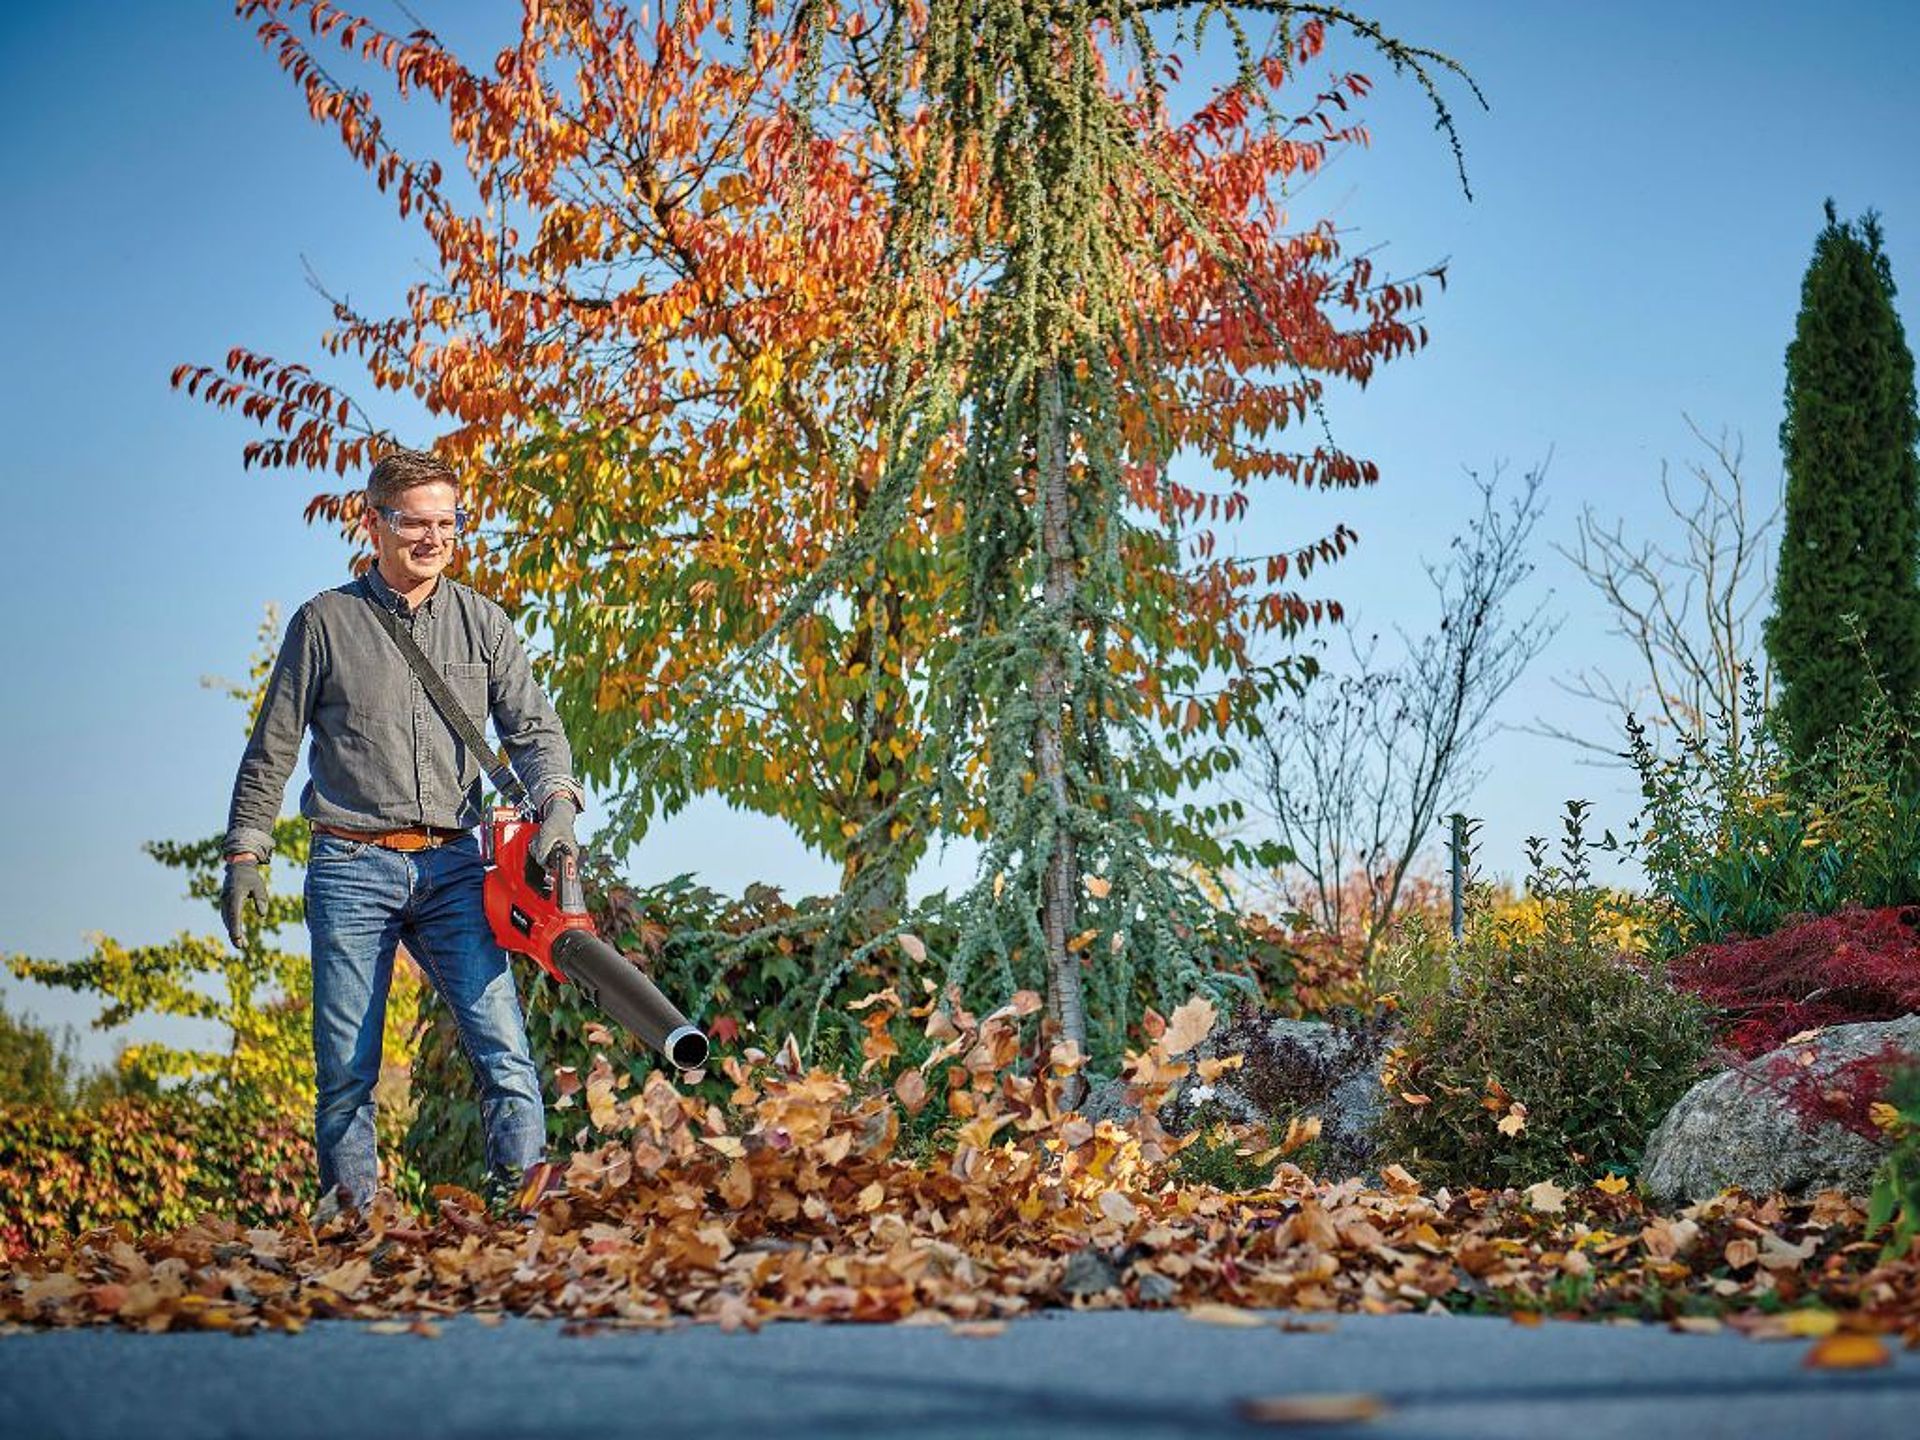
(1848, 1351)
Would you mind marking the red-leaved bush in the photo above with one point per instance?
(1853, 965)
(1844, 1095)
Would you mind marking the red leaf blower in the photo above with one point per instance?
(542, 913)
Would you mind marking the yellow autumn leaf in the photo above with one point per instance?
(1808, 1324)
(1848, 1352)
(1611, 1184)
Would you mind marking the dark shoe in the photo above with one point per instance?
(517, 1198)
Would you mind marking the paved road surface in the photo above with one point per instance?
(1141, 1376)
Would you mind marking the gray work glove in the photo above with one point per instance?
(556, 830)
(242, 882)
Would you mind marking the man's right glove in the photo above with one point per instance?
(243, 882)
(556, 831)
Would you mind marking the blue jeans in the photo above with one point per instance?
(362, 901)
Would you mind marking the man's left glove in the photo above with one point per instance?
(556, 830)
(242, 882)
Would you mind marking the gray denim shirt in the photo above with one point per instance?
(382, 756)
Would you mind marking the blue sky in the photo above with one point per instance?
(1647, 187)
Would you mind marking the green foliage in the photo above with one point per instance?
(1851, 544)
(1895, 1201)
(147, 1164)
(258, 995)
(1739, 835)
(753, 971)
(1238, 1159)
(36, 1067)
(1592, 1046)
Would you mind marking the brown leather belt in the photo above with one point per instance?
(418, 837)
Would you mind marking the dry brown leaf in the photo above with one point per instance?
(911, 1087)
(1310, 1409)
(1546, 1197)
(1210, 1313)
(1697, 1324)
(1189, 1025)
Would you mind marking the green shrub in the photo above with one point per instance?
(1737, 837)
(147, 1164)
(1239, 1158)
(1895, 1203)
(1578, 1048)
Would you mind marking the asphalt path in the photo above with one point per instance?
(1138, 1375)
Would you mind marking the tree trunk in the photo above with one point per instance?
(1061, 885)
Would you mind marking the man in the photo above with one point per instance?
(393, 800)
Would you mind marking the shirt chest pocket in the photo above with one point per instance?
(469, 685)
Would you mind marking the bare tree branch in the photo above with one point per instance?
(1688, 612)
(1354, 774)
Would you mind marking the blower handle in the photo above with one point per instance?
(563, 874)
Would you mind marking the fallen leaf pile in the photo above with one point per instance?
(792, 1204)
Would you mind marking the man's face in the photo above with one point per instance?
(409, 552)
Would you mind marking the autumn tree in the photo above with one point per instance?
(656, 328)
(764, 329)
(1110, 287)
(1850, 547)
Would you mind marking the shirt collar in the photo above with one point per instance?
(391, 598)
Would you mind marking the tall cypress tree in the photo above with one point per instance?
(1850, 553)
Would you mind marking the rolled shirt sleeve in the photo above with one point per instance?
(274, 746)
(525, 721)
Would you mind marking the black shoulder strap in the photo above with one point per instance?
(451, 710)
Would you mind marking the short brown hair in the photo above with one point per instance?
(401, 470)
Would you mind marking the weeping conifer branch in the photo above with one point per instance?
(1034, 745)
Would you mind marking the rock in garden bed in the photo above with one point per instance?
(1740, 1127)
(1297, 1068)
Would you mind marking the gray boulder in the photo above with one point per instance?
(1296, 1068)
(1106, 1099)
(1736, 1128)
